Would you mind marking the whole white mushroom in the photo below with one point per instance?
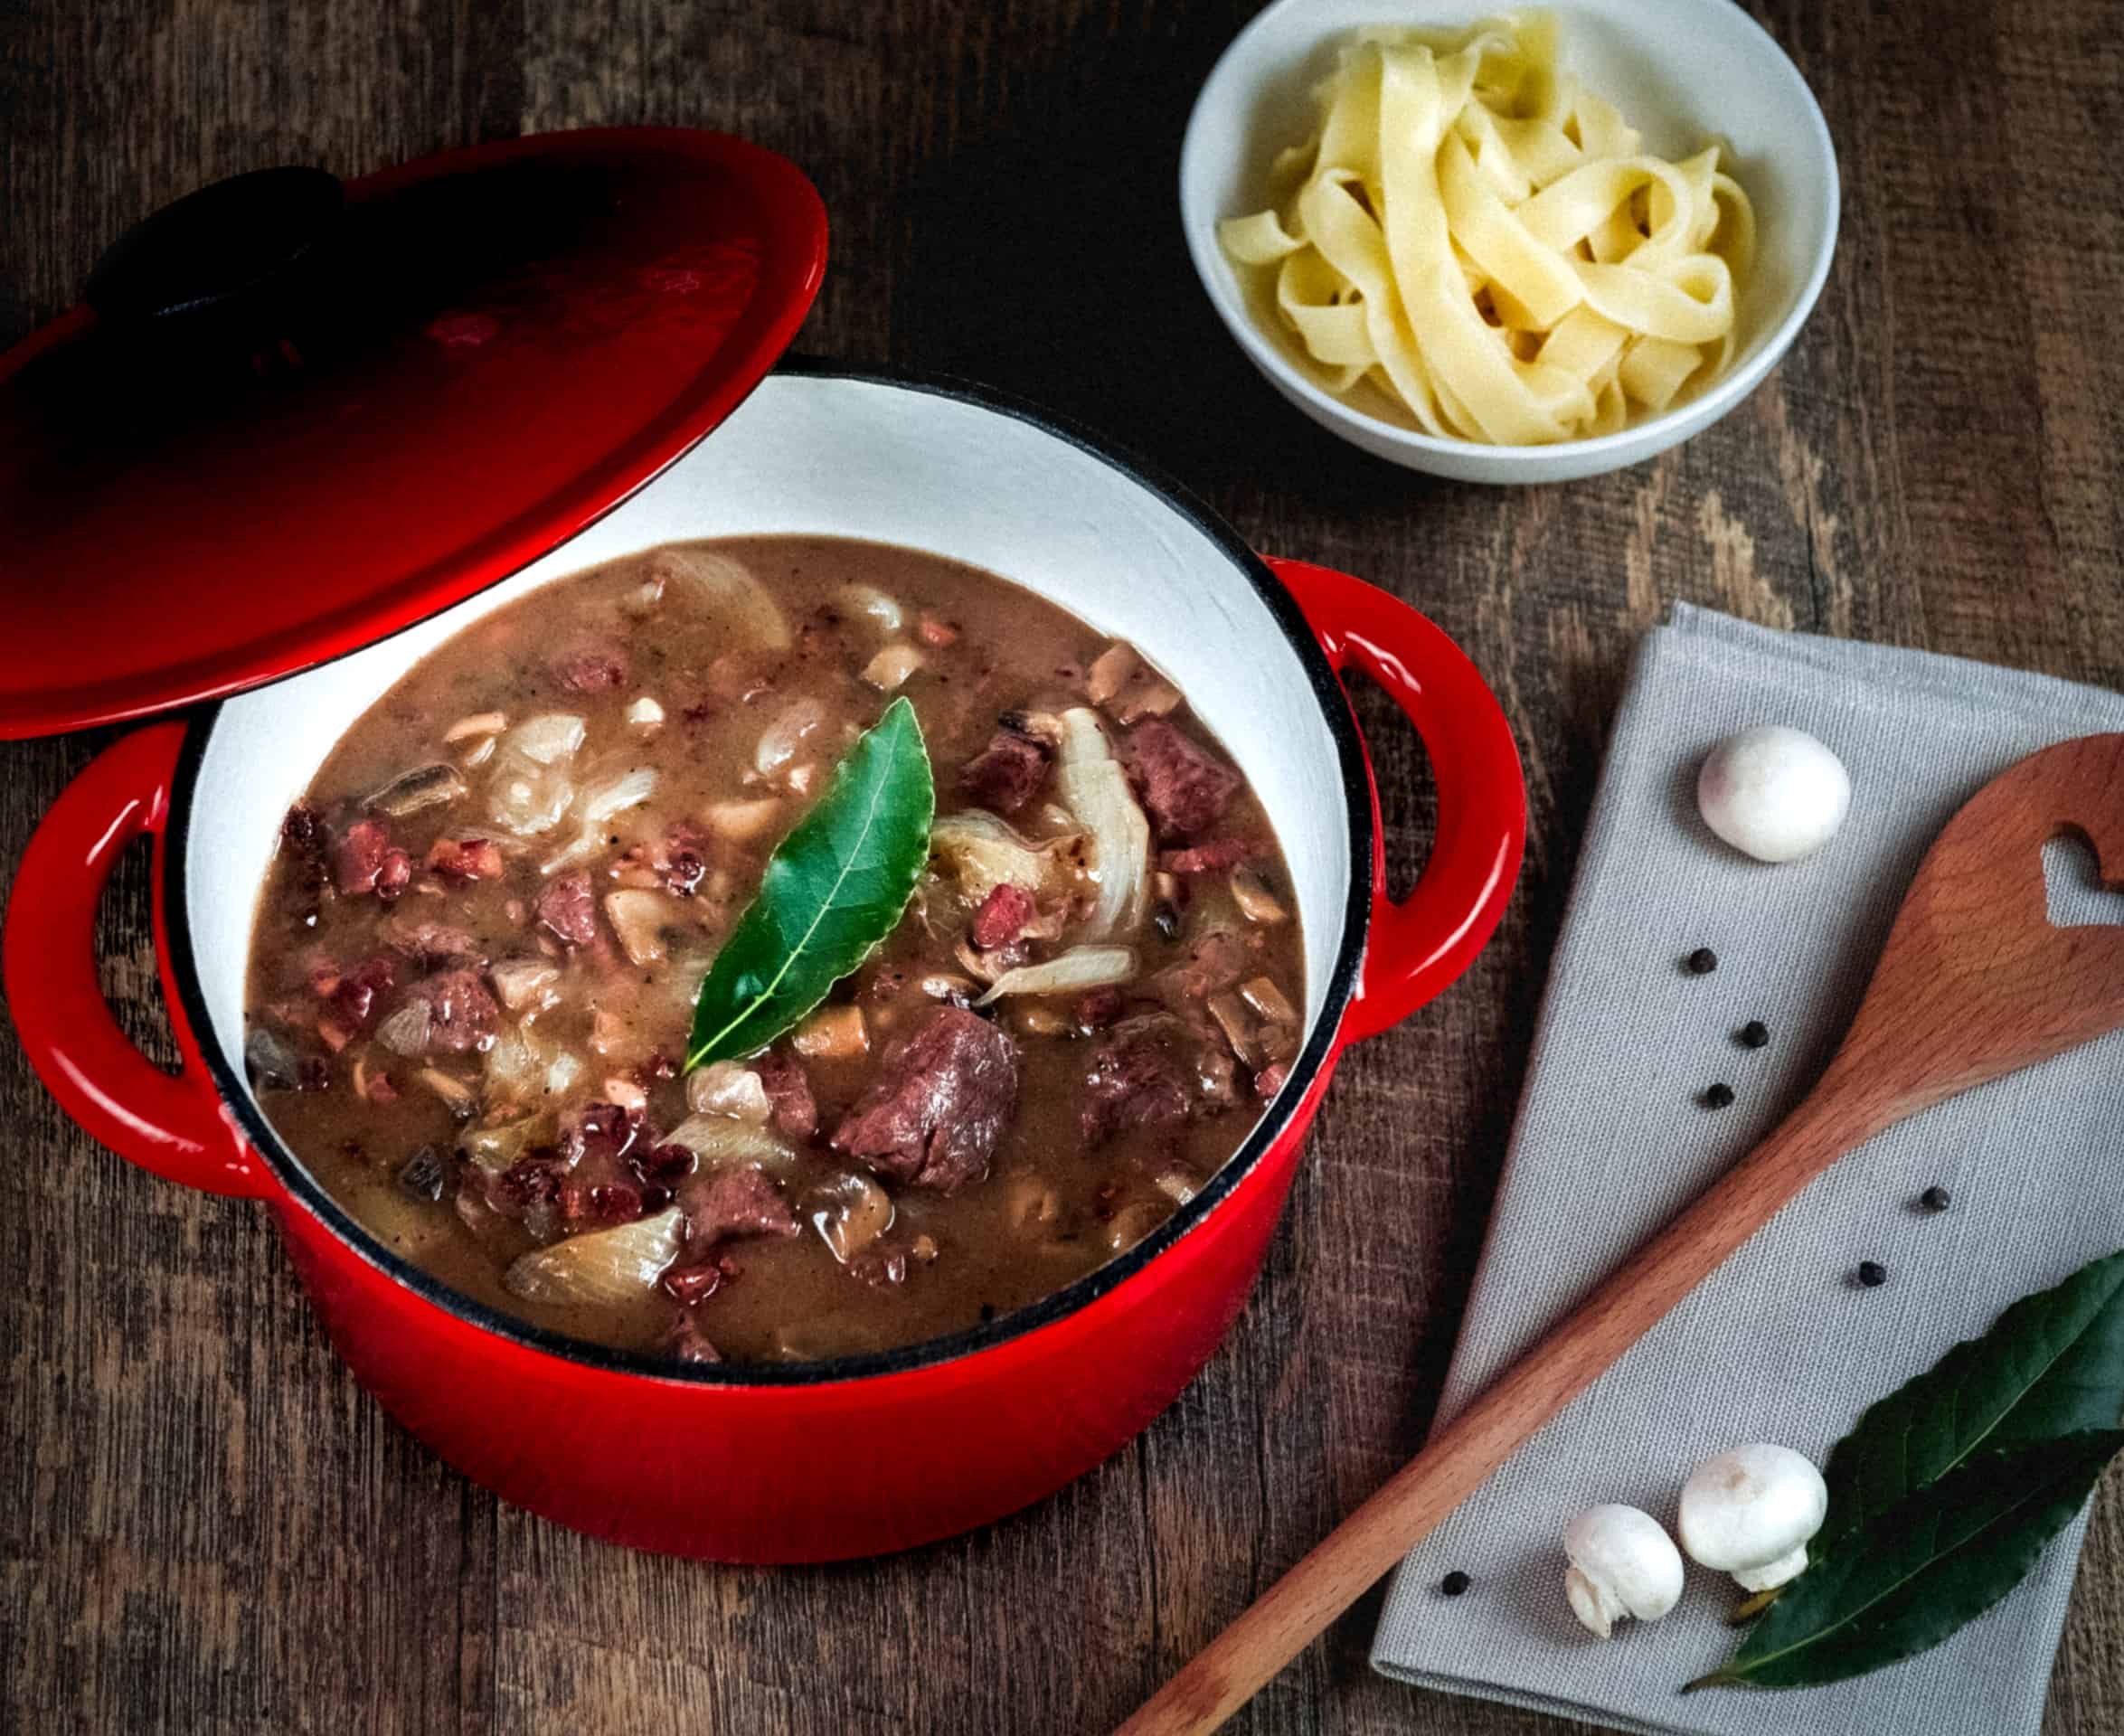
(1752, 1513)
(1773, 793)
(1622, 1564)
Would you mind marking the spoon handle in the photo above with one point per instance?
(1464, 1454)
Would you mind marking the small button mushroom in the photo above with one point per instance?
(832, 1034)
(1623, 1564)
(888, 670)
(850, 1214)
(1751, 1512)
(1131, 1223)
(1773, 793)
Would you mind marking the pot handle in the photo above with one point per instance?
(175, 1124)
(1420, 945)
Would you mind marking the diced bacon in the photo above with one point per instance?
(1099, 1007)
(1270, 1080)
(360, 856)
(568, 910)
(589, 672)
(938, 632)
(394, 876)
(1219, 857)
(1003, 916)
(466, 859)
(1008, 772)
(355, 997)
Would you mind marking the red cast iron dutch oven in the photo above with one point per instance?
(350, 505)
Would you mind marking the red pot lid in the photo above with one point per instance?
(287, 422)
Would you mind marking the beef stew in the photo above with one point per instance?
(476, 960)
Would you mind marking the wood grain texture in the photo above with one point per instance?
(1974, 983)
(205, 1527)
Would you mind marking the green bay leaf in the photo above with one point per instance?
(2052, 1364)
(834, 888)
(1911, 1574)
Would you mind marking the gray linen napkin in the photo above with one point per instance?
(1781, 1346)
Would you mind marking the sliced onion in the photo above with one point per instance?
(645, 713)
(599, 801)
(516, 1065)
(547, 740)
(726, 1088)
(495, 1147)
(605, 1269)
(719, 1141)
(424, 786)
(984, 852)
(585, 845)
(1079, 968)
(406, 1032)
(561, 1072)
(743, 821)
(724, 590)
(1091, 782)
(528, 799)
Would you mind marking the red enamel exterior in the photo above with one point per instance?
(731, 1472)
(349, 500)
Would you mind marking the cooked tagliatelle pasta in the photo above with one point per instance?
(1485, 239)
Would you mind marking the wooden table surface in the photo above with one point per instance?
(204, 1525)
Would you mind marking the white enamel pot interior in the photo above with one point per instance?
(955, 470)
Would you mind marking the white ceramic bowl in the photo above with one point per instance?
(1682, 71)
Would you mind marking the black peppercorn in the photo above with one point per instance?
(1455, 1584)
(1935, 1199)
(1754, 1035)
(1717, 1096)
(1701, 962)
(1872, 1274)
(1166, 919)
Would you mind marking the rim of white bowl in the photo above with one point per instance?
(1707, 407)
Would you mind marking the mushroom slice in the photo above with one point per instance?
(424, 786)
(850, 1214)
(605, 1269)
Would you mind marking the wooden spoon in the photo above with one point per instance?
(1974, 983)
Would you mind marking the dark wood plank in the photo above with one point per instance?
(209, 1528)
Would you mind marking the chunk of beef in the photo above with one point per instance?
(462, 1012)
(1184, 790)
(1135, 1080)
(429, 943)
(1218, 858)
(938, 1105)
(466, 859)
(1007, 773)
(568, 910)
(593, 671)
(730, 1203)
(1003, 916)
(1270, 1080)
(788, 1089)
